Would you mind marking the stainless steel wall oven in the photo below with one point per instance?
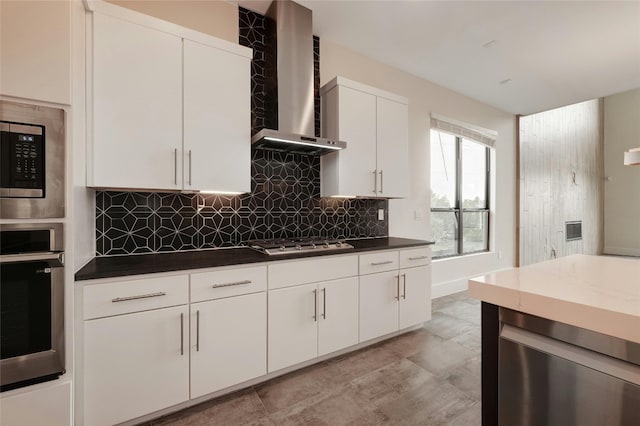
(31, 303)
(32, 161)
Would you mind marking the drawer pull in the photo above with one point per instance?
(386, 262)
(142, 296)
(419, 258)
(231, 284)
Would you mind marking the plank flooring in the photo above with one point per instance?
(430, 376)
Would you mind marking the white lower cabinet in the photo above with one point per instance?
(394, 300)
(154, 341)
(293, 328)
(415, 298)
(135, 364)
(228, 342)
(310, 320)
(338, 321)
(378, 304)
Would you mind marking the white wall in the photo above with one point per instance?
(424, 98)
(622, 188)
(214, 17)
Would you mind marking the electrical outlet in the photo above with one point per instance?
(380, 214)
(417, 215)
(499, 254)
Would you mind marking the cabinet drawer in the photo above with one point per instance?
(123, 297)
(378, 262)
(226, 283)
(415, 257)
(309, 271)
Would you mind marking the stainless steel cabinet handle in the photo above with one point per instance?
(404, 286)
(381, 181)
(175, 166)
(198, 331)
(375, 181)
(324, 303)
(315, 305)
(231, 284)
(386, 262)
(181, 334)
(419, 258)
(142, 296)
(189, 167)
(397, 277)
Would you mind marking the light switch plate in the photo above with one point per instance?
(380, 214)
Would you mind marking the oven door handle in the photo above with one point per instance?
(54, 258)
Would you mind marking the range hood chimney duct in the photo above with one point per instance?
(294, 35)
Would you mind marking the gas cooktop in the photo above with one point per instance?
(297, 245)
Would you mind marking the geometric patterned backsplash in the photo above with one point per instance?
(284, 202)
(285, 188)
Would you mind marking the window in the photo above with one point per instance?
(460, 176)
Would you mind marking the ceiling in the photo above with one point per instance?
(520, 57)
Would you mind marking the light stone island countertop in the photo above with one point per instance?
(599, 293)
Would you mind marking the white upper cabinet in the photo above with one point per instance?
(375, 125)
(35, 50)
(170, 106)
(217, 117)
(392, 148)
(137, 106)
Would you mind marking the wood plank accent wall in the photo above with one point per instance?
(553, 145)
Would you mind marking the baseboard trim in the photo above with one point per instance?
(450, 287)
(623, 251)
(456, 286)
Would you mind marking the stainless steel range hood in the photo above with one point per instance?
(295, 132)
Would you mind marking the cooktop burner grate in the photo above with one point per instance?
(297, 245)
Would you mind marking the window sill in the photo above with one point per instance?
(462, 256)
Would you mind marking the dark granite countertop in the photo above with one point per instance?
(119, 266)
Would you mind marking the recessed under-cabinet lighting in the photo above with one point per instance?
(221, 192)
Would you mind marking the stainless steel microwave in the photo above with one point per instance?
(32, 161)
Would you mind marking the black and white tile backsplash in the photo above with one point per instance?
(284, 202)
(285, 188)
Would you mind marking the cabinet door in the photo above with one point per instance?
(415, 296)
(135, 364)
(393, 148)
(228, 342)
(338, 320)
(137, 106)
(357, 126)
(217, 119)
(35, 51)
(378, 304)
(293, 325)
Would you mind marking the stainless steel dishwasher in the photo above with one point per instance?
(551, 373)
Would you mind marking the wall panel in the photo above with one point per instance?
(561, 180)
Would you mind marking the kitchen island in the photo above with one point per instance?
(561, 342)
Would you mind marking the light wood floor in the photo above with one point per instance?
(430, 376)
